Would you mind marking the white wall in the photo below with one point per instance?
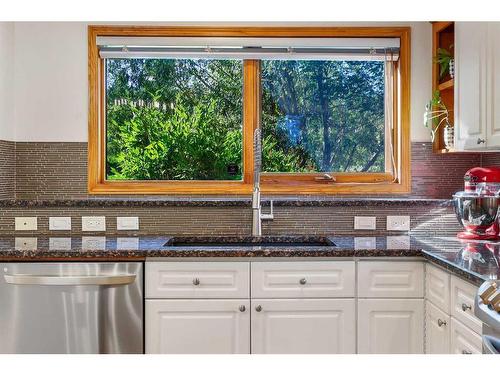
(7, 81)
(51, 80)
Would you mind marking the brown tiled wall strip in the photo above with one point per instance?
(58, 170)
(490, 159)
(437, 219)
(7, 169)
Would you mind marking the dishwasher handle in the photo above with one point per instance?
(109, 280)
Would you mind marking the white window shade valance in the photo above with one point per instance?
(249, 48)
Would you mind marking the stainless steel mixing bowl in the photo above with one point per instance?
(476, 213)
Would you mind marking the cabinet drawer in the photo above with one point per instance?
(390, 279)
(462, 303)
(197, 280)
(464, 340)
(437, 287)
(303, 279)
(437, 330)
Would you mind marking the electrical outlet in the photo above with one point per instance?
(59, 243)
(26, 223)
(26, 243)
(365, 243)
(93, 243)
(127, 223)
(398, 242)
(93, 223)
(399, 223)
(59, 223)
(365, 222)
(127, 243)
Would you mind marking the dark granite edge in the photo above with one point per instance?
(453, 268)
(224, 202)
(130, 255)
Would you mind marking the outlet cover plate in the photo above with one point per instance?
(26, 243)
(93, 223)
(398, 242)
(365, 222)
(26, 223)
(398, 223)
(59, 223)
(127, 223)
(93, 243)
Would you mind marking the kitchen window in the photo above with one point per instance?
(173, 110)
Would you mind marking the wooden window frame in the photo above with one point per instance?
(271, 183)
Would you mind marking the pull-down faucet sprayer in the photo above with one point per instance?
(257, 215)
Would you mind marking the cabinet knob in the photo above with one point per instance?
(303, 281)
(242, 308)
(466, 352)
(196, 281)
(466, 307)
(258, 308)
(480, 140)
(441, 323)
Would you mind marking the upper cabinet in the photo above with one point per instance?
(477, 86)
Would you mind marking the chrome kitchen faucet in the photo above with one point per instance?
(257, 215)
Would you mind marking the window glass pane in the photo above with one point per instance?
(169, 119)
(323, 116)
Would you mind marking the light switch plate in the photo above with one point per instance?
(127, 223)
(59, 223)
(93, 243)
(365, 222)
(26, 243)
(398, 242)
(127, 243)
(399, 223)
(93, 223)
(26, 223)
(59, 243)
(365, 243)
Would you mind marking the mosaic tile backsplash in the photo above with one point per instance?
(45, 171)
(59, 170)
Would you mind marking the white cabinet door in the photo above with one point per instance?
(390, 326)
(470, 85)
(493, 82)
(437, 330)
(464, 340)
(437, 287)
(390, 279)
(197, 326)
(303, 326)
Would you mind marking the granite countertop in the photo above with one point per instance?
(302, 201)
(474, 261)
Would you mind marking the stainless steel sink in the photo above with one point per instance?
(248, 241)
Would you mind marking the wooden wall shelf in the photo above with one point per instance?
(443, 36)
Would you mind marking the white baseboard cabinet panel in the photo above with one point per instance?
(303, 326)
(390, 326)
(197, 326)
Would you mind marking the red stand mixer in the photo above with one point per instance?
(477, 207)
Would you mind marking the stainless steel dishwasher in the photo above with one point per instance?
(71, 308)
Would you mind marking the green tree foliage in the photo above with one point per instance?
(182, 119)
